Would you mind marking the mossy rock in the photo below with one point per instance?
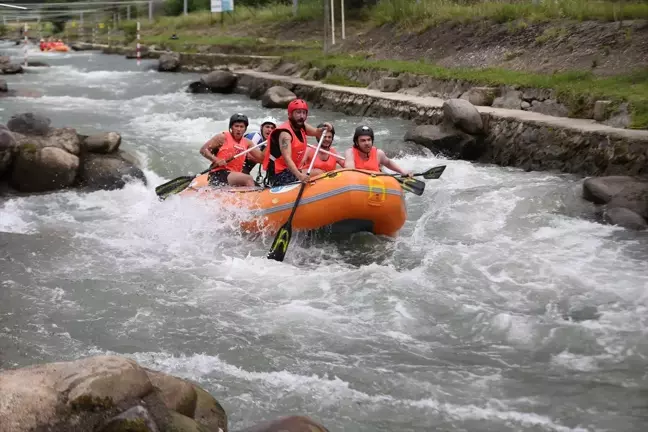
(91, 403)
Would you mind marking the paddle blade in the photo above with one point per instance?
(280, 242)
(433, 173)
(174, 186)
(412, 185)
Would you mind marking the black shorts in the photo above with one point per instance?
(283, 178)
(219, 178)
(249, 166)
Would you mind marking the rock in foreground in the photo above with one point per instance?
(625, 199)
(34, 157)
(107, 394)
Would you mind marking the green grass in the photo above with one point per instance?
(430, 12)
(309, 10)
(341, 80)
(224, 40)
(572, 87)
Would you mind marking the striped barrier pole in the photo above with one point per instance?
(26, 47)
(137, 47)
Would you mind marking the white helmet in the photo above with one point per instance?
(269, 120)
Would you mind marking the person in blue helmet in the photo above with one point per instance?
(267, 126)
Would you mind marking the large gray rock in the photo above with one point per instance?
(600, 190)
(3, 86)
(510, 99)
(625, 218)
(11, 69)
(102, 143)
(63, 138)
(288, 424)
(104, 394)
(625, 199)
(169, 63)
(277, 97)
(219, 81)
(44, 169)
(108, 172)
(462, 114)
(447, 141)
(29, 124)
(8, 149)
(480, 96)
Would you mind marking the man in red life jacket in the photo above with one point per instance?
(363, 154)
(288, 146)
(323, 162)
(227, 145)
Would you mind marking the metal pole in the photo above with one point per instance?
(81, 30)
(332, 22)
(150, 11)
(327, 14)
(295, 4)
(137, 49)
(128, 12)
(26, 48)
(184, 7)
(342, 10)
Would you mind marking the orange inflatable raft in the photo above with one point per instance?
(345, 200)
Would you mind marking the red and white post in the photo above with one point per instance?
(137, 47)
(26, 45)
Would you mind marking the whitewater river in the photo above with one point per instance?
(502, 306)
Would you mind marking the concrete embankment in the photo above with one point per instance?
(510, 137)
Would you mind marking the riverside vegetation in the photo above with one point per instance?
(583, 50)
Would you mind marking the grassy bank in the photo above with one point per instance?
(573, 88)
(421, 13)
(430, 12)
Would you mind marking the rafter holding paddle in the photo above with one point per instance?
(181, 183)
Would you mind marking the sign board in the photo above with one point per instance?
(222, 5)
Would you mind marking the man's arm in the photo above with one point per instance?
(255, 155)
(285, 141)
(385, 161)
(313, 131)
(349, 161)
(209, 148)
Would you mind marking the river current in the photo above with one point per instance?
(503, 305)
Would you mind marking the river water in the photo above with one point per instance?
(502, 306)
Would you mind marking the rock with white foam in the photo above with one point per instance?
(288, 424)
(36, 157)
(625, 199)
(103, 393)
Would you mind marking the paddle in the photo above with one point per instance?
(180, 183)
(282, 239)
(409, 184)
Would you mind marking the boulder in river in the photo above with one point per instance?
(447, 140)
(218, 81)
(277, 97)
(8, 148)
(107, 394)
(625, 199)
(3, 86)
(169, 63)
(288, 424)
(29, 123)
(38, 158)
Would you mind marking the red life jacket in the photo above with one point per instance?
(229, 149)
(371, 164)
(325, 165)
(273, 152)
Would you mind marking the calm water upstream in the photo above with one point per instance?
(502, 306)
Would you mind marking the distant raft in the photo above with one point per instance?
(345, 200)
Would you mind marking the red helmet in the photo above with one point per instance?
(297, 104)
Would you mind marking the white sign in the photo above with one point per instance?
(222, 5)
